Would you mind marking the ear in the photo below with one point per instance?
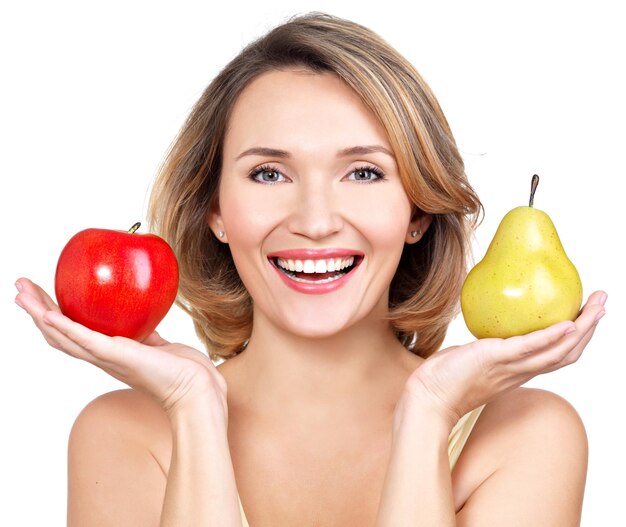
(418, 226)
(214, 220)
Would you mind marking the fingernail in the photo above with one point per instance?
(17, 301)
(603, 298)
(570, 329)
(19, 286)
(599, 316)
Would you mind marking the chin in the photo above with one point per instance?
(317, 326)
(330, 323)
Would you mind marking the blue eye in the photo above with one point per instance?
(366, 174)
(269, 175)
(266, 174)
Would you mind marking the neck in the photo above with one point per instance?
(353, 373)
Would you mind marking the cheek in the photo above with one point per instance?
(246, 209)
(383, 217)
(247, 221)
(384, 225)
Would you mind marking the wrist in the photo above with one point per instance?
(195, 411)
(413, 411)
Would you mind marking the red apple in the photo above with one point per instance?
(117, 282)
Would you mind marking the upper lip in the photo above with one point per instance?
(314, 254)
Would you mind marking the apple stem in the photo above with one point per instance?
(134, 228)
(533, 188)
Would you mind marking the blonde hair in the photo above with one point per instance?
(425, 289)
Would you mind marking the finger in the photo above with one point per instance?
(24, 285)
(95, 347)
(31, 303)
(537, 341)
(597, 297)
(573, 342)
(523, 346)
(118, 356)
(573, 355)
(52, 336)
(35, 302)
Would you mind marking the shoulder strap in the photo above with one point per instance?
(460, 433)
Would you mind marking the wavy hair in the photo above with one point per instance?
(424, 292)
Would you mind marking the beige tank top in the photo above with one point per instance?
(456, 441)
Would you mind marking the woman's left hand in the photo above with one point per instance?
(458, 379)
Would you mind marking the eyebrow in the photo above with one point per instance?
(274, 152)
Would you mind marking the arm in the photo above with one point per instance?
(118, 459)
(201, 488)
(452, 382)
(540, 445)
(110, 454)
(539, 478)
(418, 487)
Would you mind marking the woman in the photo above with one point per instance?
(320, 212)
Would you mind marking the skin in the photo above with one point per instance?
(321, 370)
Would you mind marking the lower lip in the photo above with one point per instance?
(316, 289)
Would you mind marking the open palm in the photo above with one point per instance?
(460, 378)
(172, 374)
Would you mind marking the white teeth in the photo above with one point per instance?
(329, 265)
(323, 281)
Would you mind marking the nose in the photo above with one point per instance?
(316, 211)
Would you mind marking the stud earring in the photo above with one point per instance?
(220, 234)
(415, 233)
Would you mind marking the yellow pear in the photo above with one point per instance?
(525, 282)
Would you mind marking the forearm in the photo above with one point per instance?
(201, 488)
(418, 489)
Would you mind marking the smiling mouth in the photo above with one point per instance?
(320, 271)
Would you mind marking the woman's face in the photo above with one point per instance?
(309, 181)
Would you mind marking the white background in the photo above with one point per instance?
(93, 93)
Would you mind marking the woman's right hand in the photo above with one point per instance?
(175, 375)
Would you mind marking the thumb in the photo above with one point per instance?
(154, 339)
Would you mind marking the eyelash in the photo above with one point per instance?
(380, 176)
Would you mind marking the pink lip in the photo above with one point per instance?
(314, 254)
(316, 289)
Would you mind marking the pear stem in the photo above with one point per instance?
(134, 228)
(533, 188)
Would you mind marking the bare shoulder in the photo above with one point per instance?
(127, 411)
(528, 446)
(118, 456)
(126, 414)
(527, 414)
